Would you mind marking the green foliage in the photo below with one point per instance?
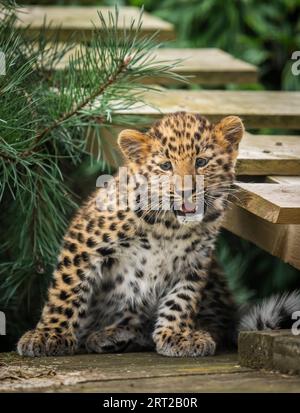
(8, 4)
(45, 115)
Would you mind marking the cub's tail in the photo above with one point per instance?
(273, 313)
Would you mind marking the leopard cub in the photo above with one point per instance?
(144, 277)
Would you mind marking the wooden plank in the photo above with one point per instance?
(280, 240)
(287, 180)
(136, 372)
(78, 21)
(39, 373)
(249, 382)
(257, 108)
(202, 66)
(269, 155)
(211, 66)
(276, 203)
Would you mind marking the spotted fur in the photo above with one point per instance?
(129, 279)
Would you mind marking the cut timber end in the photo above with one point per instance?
(271, 350)
(78, 21)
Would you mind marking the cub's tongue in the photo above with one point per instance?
(188, 207)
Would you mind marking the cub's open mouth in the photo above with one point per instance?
(189, 209)
(186, 208)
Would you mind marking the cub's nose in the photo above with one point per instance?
(184, 193)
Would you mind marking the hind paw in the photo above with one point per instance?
(109, 340)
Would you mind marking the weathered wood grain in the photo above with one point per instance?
(286, 354)
(137, 372)
(257, 108)
(78, 21)
(276, 203)
(269, 155)
(211, 66)
(272, 350)
(280, 240)
(248, 382)
(201, 66)
(25, 373)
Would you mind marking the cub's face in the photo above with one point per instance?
(193, 158)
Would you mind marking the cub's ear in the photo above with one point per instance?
(134, 144)
(230, 130)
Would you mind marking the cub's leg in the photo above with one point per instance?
(126, 334)
(175, 332)
(56, 332)
(68, 298)
(218, 312)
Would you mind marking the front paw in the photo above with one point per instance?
(36, 343)
(185, 343)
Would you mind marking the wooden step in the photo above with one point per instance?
(201, 66)
(269, 155)
(78, 21)
(269, 216)
(276, 203)
(280, 240)
(258, 109)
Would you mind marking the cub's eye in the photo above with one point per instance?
(166, 166)
(200, 162)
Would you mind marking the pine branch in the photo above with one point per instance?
(7, 5)
(75, 111)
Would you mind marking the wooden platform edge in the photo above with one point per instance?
(276, 203)
(280, 240)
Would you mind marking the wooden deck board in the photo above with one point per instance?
(269, 155)
(136, 372)
(208, 66)
(78, 20)
(257, 382)
(211, 66)
(257, 108)
(276, 203)
(280, 240)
